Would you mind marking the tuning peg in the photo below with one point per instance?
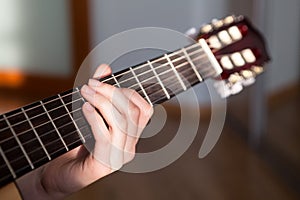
(192, 33)
(226, 89)
(229, 20)
(206, 28)
(217, 23)
(235, 78)
(257, 69)
(247, 74)
(239, 18)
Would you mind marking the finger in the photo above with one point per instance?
(102, 148)
(102, 88)
(95, 121)
(139, 101)
(105, 107)
(115, 121)
(102, 71)
(146, 111)
(136, 98)
(113, 94)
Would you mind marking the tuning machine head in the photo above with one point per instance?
(240, 50)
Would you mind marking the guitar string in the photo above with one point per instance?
(47, 133)
(54, 109)
(58, 139)
(157, 67)
(172, 84)
(161, 58)
(166, 71)
(166, 79)
(45, 157)
(43, 134)
(57, 118)
(177, 66)
(48, 144)
(175, 53)
(64, 136)
(39, 106)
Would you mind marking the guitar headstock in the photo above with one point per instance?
(240, 50)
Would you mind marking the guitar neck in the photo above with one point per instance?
(38, 133)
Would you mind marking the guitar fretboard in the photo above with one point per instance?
(38, 133)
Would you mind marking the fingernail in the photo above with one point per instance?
(89, 107)
(94, 83)
(88, 90)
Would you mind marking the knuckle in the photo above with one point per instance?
(130, 155)
(134, 111)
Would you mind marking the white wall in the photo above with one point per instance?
(282, 32)
(35, 36)
(111, 16)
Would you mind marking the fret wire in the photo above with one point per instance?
(36, 134)
(161, 58)
(52, 153)
(18, 141)
(55, 128)
(37, 107)
(116, 81)
(78, 89)
(166, 86)
(42, 125)
(7, 163)
(157, 77)
(44, 134)
(177, 67)
(79, 132)
(192, 64)
(198, 58)
(40, 114)
(176, 73)
(141, 86)
(174, 53)
(138, 67)
(179, 51)
(161, 65)
(166, 71)
(53, 100)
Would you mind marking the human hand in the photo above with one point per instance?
(124, 114)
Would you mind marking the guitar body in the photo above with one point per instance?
(10, 191)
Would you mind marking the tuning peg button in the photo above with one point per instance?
(257, 69)
(234, 78)
(206, 28)
(236, 88)
(229, 20)
(248, 82)
(217, 23)
(247, 74)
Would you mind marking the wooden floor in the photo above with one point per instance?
(231, 171)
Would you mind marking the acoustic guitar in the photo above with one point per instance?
(229, 50)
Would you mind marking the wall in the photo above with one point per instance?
(282, 27)
(110, 17)
(283, 30)
(35, 36)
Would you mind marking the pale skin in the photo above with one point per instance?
(126, 114)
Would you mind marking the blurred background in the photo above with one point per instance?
(43, 43)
